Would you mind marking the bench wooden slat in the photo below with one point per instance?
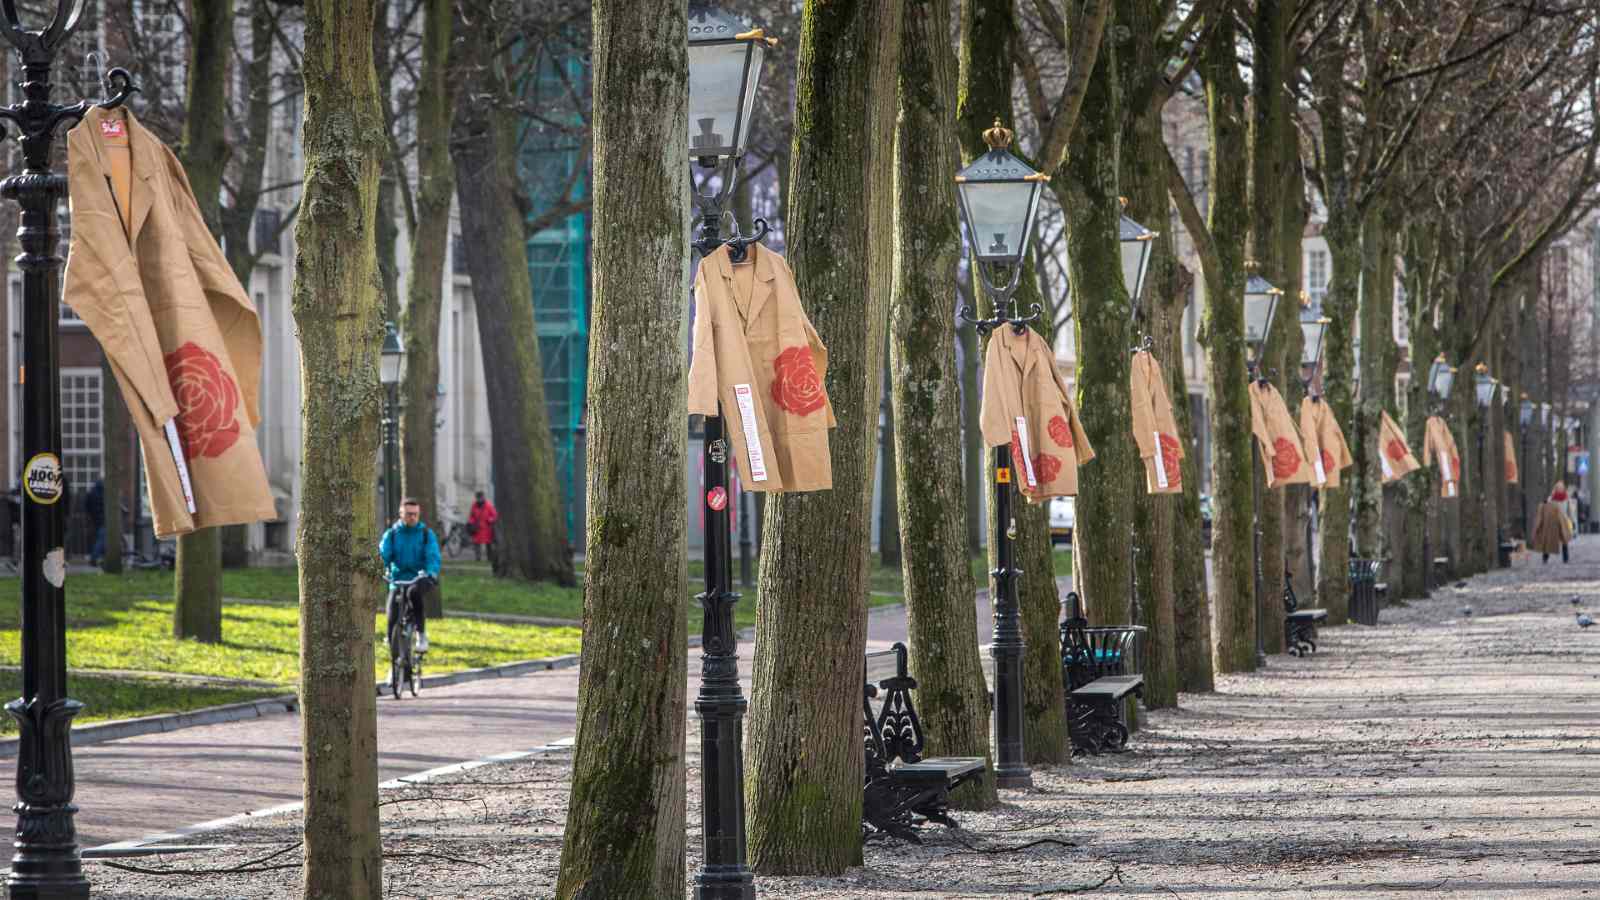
(1115, 687)
(1308, 615)
(940, 767)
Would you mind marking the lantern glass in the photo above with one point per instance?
(1441, 378)
(724, 72)
(390, 357)
(1311, 333)
(1000, 217)
(1136, 243)
(1260, 302)
(1485, 388)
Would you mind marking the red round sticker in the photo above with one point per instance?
(717, 498)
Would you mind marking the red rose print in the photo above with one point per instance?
(796, 386)
(1327, 462)
(1396, 449)
(1511, 470)
(1455, 467)
(1060, 432)
(208, 401)
(1170, 463)
(1046, 468)
(1285, 458)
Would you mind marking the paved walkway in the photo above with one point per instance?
(160, 782)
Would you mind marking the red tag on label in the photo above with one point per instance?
(717, 498)
(113, 128)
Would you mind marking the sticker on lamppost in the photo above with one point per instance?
(41, 479)
(55, 567)
(717, 498)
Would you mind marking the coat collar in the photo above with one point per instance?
(143, 152)
(761, 287)
(1020, 346)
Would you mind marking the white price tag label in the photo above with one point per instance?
(1449, 488)
(1388, 472)
(1322, 475)
(183, 465)
(1161, 467)
(752, 435)
(1027, 456)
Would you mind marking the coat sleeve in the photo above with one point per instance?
(1258, 418)
(236, 317)
(1144, 417)
(430, 552)
(992, 419)
(1310, 437)
(104, 289)
(703, 362)
(1080, 441)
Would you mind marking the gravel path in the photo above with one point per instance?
(1437, 753)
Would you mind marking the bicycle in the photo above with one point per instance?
(405, 661)
(456, 541)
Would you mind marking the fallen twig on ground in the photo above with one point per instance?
(245, 868)
(1115, 873)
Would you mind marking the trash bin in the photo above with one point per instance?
(1505, 553)
(1363, 591)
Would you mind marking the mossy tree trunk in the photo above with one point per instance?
(984, 93)
(929, 452)
(625, 822)
(1421, 247)
(197, 588)
(803, 779)
(1377, 378)
(531, 536)
(430, 236)
(339, 318)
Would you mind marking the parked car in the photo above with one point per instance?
(1063, 512)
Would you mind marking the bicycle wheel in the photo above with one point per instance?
(416, 675)
(395, 660)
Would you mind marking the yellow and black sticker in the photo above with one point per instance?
(41, 478)
(1002, 476)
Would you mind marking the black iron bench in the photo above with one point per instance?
(1100, 669)
(1299, 625)
(903, 790)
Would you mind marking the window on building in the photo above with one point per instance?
(268, 223)
(1316, 273)
(82, 440)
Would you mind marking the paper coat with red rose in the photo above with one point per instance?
(1026, 404)
(1395, 458)
(1155, 429)
(183, 339)
(1439, 444)
(1323, 440)
(1511, 459)
(759, 364)
(1282, 452)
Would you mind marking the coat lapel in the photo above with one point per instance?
(145, 158)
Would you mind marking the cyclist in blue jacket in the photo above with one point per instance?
(408, 548)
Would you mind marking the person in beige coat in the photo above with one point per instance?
(1026, 404)
(1395, 457)
(1552, 530)
(1282, 451)
(1155, 429)
(1438, 443)
(1324, 442)
(759, 363)
(183, 339)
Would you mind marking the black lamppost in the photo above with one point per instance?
(724, 70)
(1313, 328)
(1525, 420)
(1260, 304)
(1484, 387)
(389, 360)
(45, 862)
(999, 195)
(1441, 377)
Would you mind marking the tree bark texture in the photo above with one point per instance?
(625, 824)
(1377, 379)
(803, 779)
(1231, 465)
(339, 317)
(984, 93)
(430, 236)
(197, 581)
(952, 698)
(532, 532)
(1157, 541)
(117, 487)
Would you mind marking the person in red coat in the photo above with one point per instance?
(480, 524)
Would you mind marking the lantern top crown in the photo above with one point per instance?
(998, 137)
(708, 23)
(1481, 368)
(1259, 285)
(999, 164)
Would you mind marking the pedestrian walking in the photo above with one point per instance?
(1552, 530)
(480, 526)
(95, 506)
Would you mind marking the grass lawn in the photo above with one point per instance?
(126, 697)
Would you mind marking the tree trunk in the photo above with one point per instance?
(339, 318)
(888, 504)
(625, 821)
(984, 93)
(115, 490)
(972, 449)
(532, 533)
(197, 581)
(952, 699)
(805, 762)
(1377, 379)
(430, 236)
(1232, 467)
